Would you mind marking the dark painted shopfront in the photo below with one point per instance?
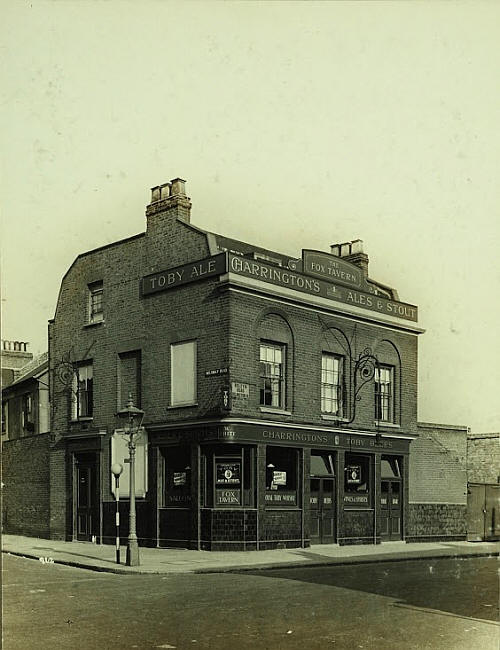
(249, 486)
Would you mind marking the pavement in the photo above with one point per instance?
(102, 557)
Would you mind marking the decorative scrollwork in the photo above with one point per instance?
(365, 367)
(65, 371)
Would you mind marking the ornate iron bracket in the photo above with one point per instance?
(364, 371)
(63, 376)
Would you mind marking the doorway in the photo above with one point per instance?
(391, 498)
(322, 511)
(390, 510)
(483, 512)
(86, 498)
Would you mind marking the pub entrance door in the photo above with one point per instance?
(86, 498)
(322, 510)
(390, 510)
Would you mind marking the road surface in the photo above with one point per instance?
(441, 604)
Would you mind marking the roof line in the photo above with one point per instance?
(115, 243)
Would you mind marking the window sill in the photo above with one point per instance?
(333, 418)
(182, 406)
(276, 411)
(94, 323)
(390, 425)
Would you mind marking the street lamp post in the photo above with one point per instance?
(132, 418)
(117, 469)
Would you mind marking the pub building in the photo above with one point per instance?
(280, 393)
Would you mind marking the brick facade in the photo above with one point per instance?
(229, 470)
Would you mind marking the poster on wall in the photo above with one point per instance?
(120, 454)
(353, 474)
(180, 478)
(228, 473)
(279, 478)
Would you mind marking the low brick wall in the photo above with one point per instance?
(427, 522)
(25, 494)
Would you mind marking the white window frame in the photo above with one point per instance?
(95, 289)
(332, 384)
(272, 355)
(183, 395)
(27, 410)
(384, 393)
(80, 376)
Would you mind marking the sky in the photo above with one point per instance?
(296, 125)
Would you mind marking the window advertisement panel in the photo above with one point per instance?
(281, 476)
(227, 482)
(357, 481)
(177, 477)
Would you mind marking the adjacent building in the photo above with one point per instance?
(25, 401)
(14, 356)
(26, 449)
(280, 393)
(483, 473)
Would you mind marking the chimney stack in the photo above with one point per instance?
(170, 198)
(352, 251)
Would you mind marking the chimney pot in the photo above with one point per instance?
(178, 186)
(165, 191)
(357, 246)
(335, 250)
(345, 249)
(155, 194)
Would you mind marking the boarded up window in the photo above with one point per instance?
(183, 373)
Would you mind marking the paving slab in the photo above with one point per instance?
(101, 557)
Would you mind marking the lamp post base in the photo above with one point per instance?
(133, 553)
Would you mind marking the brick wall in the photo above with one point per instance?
(436, 521)
(437, 465)
(483, 458)
(251, 320)
(25, 474)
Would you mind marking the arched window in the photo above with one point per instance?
(387, 382)
(275, 362)
(335, 372)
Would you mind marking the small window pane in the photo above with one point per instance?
(271, 375)
(83, 392)
(321, 464)
(96, 302)
(390, 468)
(331, 384)
(384, 394)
